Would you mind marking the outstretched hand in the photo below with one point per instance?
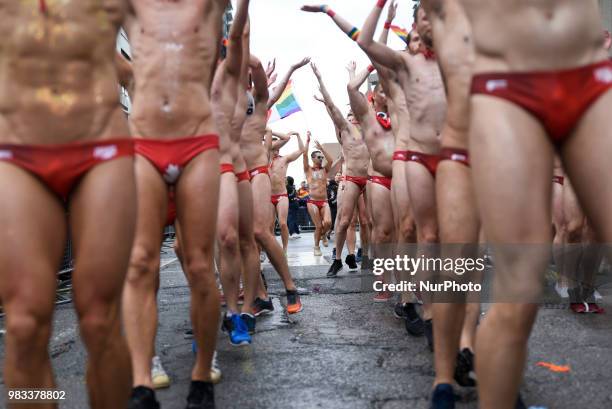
(302, 63)
(351, 67)
(271, 68)
(314, 8)
(315, 70)
(308, 135)
(392, 12)
(318, 145)
(318, 98)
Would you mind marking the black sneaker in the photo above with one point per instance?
(143, 398)
(443, 397)
(201, 395)
(464, 370)
(334, 268)
(428, 326)
(351, 263)
(250, 322)
(414, 323)
(261, 307)
(226, 325)
(398, 310)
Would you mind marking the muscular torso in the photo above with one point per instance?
(253, 131)
(455, 52)
(398, 108)
(380, 143)
(58, 79)
(317, 183)
(174, 47)
(527, 35)
(355, 152)
(278, 175)
(426, 100)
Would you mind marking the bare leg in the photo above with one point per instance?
(251, 265)
(104, 201)
(313, 211)
(197, 195)
(345, 213)
(351, 234)
(28, 278)
(511, 155)
(282, 209)
(365, 225)
(140, 291)
(383, 227)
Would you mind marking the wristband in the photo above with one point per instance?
(381, 3)
(371, 68)
(354, 33)
(327, 10)
(387, 25)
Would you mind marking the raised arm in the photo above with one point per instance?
(378, 52)
(305, 154)
(234, 48)
(282, 139)
(336, 165)
(391, 13)
(328, 159)
(278, 90)
(260, 81)
(348, 29)
(359, 103)
(294, 155)
(335, 114)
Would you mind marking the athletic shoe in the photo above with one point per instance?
(158, 374)
(561, 290)
(414, 324)
(399, 310)
(325, 241)
(382, 296)
(143, 398)
(428, 326)
(250, 322)
(351, 263)
(464, 370)
(240, 333)
(294, 304)
(334, 268)
(317, 251)
(201, 395)
(215, 372)
(586, 308)
(261, 307)
(443, 397)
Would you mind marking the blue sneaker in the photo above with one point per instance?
(240, 332)
(443, 397)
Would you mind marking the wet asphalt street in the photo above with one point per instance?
(342, 351)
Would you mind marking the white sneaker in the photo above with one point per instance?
(215, 372)
(317, 251)
(561, 290)
(158, 374)
(597, 295)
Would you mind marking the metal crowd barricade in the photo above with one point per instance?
(63, 293)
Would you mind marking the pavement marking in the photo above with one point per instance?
(168, 262)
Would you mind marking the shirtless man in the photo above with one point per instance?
(177, 151)
(278, 180)
(420, 77)
(377, 130)
(64, 146)
(516, 126)
(256, 158)
(316, 176)
(356, 159)
(454, 323)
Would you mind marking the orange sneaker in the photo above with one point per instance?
(294, 304)
(383, 296)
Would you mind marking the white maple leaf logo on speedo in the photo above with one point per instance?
(172, 173)
(105, 152)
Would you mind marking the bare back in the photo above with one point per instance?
(251, 138)
(174, 45)
(561, 33)
(355, 152)
(57, 71)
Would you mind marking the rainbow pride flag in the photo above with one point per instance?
(401, 33)
(286, 105)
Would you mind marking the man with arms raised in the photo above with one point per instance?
(64, 145)
(457, 212)
(541, 85)
(420, 77)
(278, 180)
(175, 47)
(316, 175)
(257, 161)
(356, 161)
